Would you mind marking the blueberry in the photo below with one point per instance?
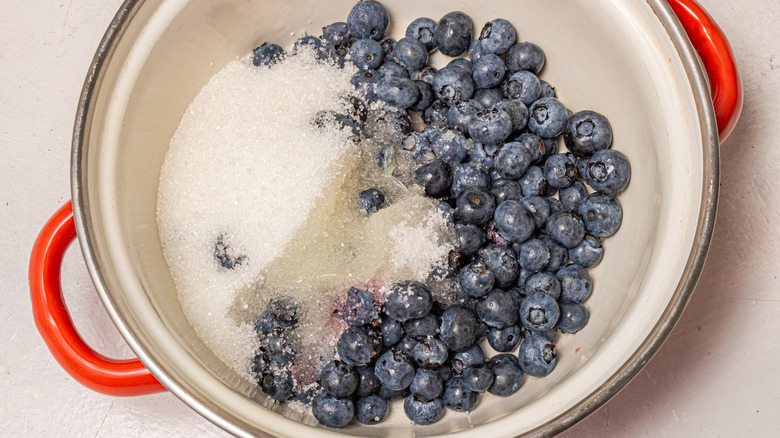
(572, 196)
(547, 89)
(512, 160)
(278, 386)
(490, 126)
(225, 254)
(497, 36)
(279, 350)
(468, 175)
(587, 132)
(566, 228)
(588, 253)
(410, 53)
(368, 19)
(461, 113)
(284, 310)
(558, 254)
(423, 412)
(267, 54)
(366, 54)
(415, 146)
(501, 261)
(507, 374)
(394, 370)
(391, 394)
(337, 34)
(458, 327)
(436, 117)
(367, 381)
(365, 81)
(260, 365)
(425, 74)
(482, 330)
(545, 282)
(539, 311)
(517, 111)
(408, 300)
(406, 346)
(547, 117)
(397, 91)
(471, 356)
(339, 379)
(458, 397)
(488, 71)
(435, 177)
(266, 323)
(532, 183)
(533, 254)
(475, 206)
(485, 155)
(498, 309)
(370, 409)
(392, 68)
(358, 346)
(309, 41)
(537, 355)
(453, 33)
(475, 50)
(359, 308)
(331, 411)
(463, 64)
(424, 97)
(522, 278)
(489, 97)
(423, 30)
(555, 205)
(560, 171)
(388, 45)
(538, 207)
(392, 330)
(514, 221)
(532, 143)
(427, 385)
(370, 201)
(505, 189)
(576, 284)
(504, 339)
(525, 56)
(601, 214)
(476, 279)
(478, 378)
(608, 171)
(574, 317)
(525, 86)
(422, 328)
(451, 146)
(451, 84)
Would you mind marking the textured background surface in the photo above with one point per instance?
(715, 375)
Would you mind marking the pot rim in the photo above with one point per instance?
(586, 406)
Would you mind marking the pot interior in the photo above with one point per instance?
(613, 56)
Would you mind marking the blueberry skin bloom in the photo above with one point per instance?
(458, 397)
(365, 81)
(451, 146)
(476, 279)
(537, 355)
(435, 177)
(490, 126)
(370, 409)
(488, 71)
(498, 309)
(516, 110)
(497, 36)
(461, 113)
(473, 355)
(423, 29)
(533, 255)
(501, 261)
(566, 228)
(426, 385)
(337, 34)
(475, 206)
(367, 381)
(397, 91)
(506, 189)
(504, 339)
(608, 171)
(489, 97)
(514, 221)
(452, 84)
(267, 54)
(430, 353)
(408, 300)
(539, 312)
(359, 308)
(339, 379)
(572, 196)
(468, 175)
(545, 282)
(512, 161)
(470, 239)
(370, 201)
(576, 284)
(423, 412)
(368, 19)
(587, 132)
(588, 253)
(538, 207)
(458, 328)
(425, 96)
(524, 86)
(478, 378)
(394, 370)
(410, 53)
(532, 183)
(453, 33)
(525, 56)
(358, 346)
(331, 411)
(547, 117)
(560, 171)
(574, 317)
(508, 376)
(601, 214)
(392, 331)
(366, 54)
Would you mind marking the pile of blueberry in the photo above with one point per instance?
(487, 149)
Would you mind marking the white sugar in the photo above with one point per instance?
(255, 202)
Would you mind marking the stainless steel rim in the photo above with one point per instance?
(588, 405)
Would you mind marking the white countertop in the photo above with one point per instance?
(715, 375)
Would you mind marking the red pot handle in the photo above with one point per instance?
(718, 59)
(127, 377)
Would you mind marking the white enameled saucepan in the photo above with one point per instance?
(661, 70)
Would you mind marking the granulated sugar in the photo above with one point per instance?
(256, 202)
